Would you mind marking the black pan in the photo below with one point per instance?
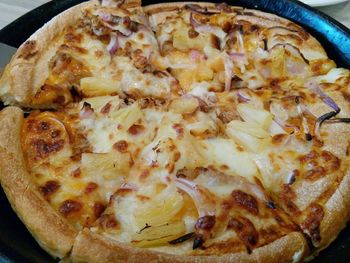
(16, 243)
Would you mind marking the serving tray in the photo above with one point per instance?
(16, 243)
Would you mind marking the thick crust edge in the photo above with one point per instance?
(52, 232)
(94, 248)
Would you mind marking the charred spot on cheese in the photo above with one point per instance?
(332, 162)
(76, 173)
(245, 230)
(192, 33)
(245, 201)
(43, 148)
(90, 187)
(287, 196)
(121, 146)
(28, 50)
(98, 209)
(313, 220)
(205, 222)
(136, 129)
(49, 188)
(70, 207)
(106, 108)
(108, 221)
(52, 93)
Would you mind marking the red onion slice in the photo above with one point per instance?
(113, 44)
(314, 86)
(201, 196)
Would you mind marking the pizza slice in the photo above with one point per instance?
(101, 49)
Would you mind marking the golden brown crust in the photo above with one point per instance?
(92, 247)
(28, 69)
(52, 231)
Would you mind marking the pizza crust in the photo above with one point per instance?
(94, 248)
(52, 231)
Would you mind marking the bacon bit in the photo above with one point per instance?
(49, 188)
(245, 201)
(106, 108)
(90, 187)
(313, 221)
(205, 222)
(245, 230)
(136, 129)
(98, 209)
(86, 111)
(69, 207)
(76, 173)
(121, 146)
(108, 221)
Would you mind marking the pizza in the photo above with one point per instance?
(175, 132)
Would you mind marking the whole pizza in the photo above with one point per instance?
(176, 132)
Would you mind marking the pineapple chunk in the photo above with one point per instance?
(160, 210)
(93, 86)
(248, 141)
(184, 105)
(159, 235)
(127, 116)
(108, 165)
(224, 156)
(259, 116)
(250, 128)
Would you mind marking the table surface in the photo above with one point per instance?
(12, 9)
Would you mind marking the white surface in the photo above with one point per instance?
(12, 9)
(323, 2)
